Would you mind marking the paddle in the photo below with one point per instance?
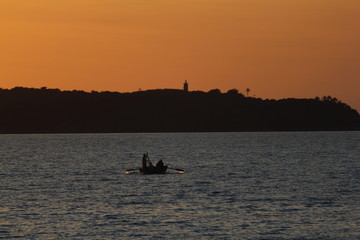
(177, 169)
(130, 170)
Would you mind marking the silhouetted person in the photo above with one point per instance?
(151, 166)
(160, 164)
(144, 159)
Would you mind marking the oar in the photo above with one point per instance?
(130, 170)
(177, 169)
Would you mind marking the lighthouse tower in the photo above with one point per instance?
(186, 86)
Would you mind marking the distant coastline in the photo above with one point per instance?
(43, 110)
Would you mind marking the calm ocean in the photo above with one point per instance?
(290, 185)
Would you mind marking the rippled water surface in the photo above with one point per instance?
(236, 186)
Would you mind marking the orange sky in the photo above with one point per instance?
(277, 48)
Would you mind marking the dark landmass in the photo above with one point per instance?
(29, 110)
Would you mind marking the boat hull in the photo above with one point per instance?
(153, 170)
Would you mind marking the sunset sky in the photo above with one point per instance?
(277, 48)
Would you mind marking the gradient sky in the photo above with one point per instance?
(277, 48)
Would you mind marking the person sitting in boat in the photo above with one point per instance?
(160, 164)
(151, 166)
(144, 160)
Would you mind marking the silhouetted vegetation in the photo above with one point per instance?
(29, 110)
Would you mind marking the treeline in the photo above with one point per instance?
(30, 110)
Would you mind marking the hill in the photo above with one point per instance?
(30, 110)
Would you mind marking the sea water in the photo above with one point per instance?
(289, 185)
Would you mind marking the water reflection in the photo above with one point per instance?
(253, 185)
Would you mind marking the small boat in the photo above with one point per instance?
(149, 168)
(153, 170)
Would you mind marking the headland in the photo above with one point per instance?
(43, 110)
